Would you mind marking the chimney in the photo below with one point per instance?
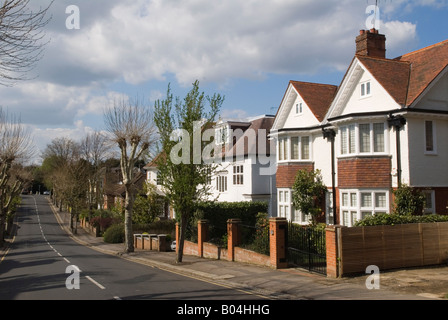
(370, 43)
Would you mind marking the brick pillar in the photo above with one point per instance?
(278, 233)
(202, 236)
(331, 234)
(233, 237)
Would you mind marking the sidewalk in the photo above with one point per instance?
(286, 284)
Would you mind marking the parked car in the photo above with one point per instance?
(173, 245)
(47, 193)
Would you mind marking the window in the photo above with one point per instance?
(348, 139)
(282, 149)
(366, 138)
(284, 203)
(365, 89)
(294, 148)
(359, 204)
(238, 175)
(430, 143)
(221, 135)
(429, 201)
(221, 183)
(299, 108)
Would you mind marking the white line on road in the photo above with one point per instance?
(95, 283)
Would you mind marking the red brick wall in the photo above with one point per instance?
(370, 172)
(286, 173)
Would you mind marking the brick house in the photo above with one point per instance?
(385, 124)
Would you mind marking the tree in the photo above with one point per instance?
(15, 148)
(22, 34)
(94, 151)
(131, 128)
(185, 181)
(308, 192)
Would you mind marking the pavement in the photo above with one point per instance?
(282, 284)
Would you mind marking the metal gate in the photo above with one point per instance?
(306, 248)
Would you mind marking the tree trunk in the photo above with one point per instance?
(128, 206)
(2, 229)
(183, 229)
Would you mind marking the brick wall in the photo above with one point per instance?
(369, 172)
(286, 173)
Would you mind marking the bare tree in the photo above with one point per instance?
(94, 150)
(16, 147)
(131, 126)
(21, 39)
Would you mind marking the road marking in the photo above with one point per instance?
(95, 283)
(117, 298)
(66, 260)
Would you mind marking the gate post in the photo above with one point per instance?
(278, 235)
(202, 236)
(233, 237)
(331, 235)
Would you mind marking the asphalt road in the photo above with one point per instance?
(35, 268)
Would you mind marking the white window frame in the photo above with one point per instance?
(221, 183)
(284, 202)
(238, 175)
(284, 149)
(432, 195)
(345, 131)
(434, 138)
(365, 89)
(299, 108)
(352, 209)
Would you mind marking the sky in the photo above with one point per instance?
(247, 51)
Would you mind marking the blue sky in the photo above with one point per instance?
(245, 50)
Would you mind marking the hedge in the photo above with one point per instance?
(392, 219)
(217, 213)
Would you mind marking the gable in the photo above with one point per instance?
(349, 99)
(435, 96)
(304, 105)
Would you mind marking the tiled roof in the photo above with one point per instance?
(405, 78)
(318, 97)
(426, 64)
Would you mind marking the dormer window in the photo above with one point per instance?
(365, 89)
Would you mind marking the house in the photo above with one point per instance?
(244, 167)
(386, 124)
(247, 169)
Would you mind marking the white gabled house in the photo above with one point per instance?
(389, 120)
(247, 169)
(245, 165)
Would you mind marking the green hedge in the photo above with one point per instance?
(392, 219)
(217, 213)
(114, 234)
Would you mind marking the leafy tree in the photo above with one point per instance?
(148, 205)
(183, 175)
(308, 192)
(408, 201)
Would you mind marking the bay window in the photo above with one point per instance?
(363, 138)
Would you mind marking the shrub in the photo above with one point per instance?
(114, 234)
(392, 219)
(409, 201)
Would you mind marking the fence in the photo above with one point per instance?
(255, 238)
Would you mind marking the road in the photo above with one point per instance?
(35, 267)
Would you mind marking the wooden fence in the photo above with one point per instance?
(390, 247)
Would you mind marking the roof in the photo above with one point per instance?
(405, 78)
(317, 96)
(426, 64)
(244, 142)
